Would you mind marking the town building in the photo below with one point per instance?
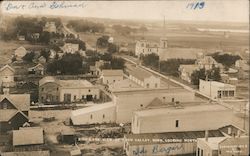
(41, 60)
(161, 144)
(50, 27)
(223, 146)
(128, 100)
(143, 78)
(238, 145)
(21, 37)
(27, 136)
(208, 146)
(186, 71)
(20, 53)
(143, 47)
(180, 117)
(111, 76)
(171, 143)
(37, 69)
(70, 48)
(217, 90)
(7, 76)
(14, 110)
(243, 68)
(55, 90)
(207, 62)
(102, 113)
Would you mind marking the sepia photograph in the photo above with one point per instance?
(124, 78)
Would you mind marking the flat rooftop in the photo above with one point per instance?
(181, 110)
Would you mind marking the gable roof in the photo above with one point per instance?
(7, 114)
(20, 101)
(155, 103)
(35, 136)
(112, 72)
(7, 67)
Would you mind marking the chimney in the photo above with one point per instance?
(229, 130)
(6, 91)
(206, 135)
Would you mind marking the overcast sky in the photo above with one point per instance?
(216, 10)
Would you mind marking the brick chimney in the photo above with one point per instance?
(6, 91)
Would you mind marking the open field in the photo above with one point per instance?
(181, 38)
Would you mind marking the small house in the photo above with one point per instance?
(37, 69)
(7, 76)
(20, 53)
(111, 76)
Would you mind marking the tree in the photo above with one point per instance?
(151, 60)
(112, 48)
(102, 42)
(212, 74)
(69, 64)
(45, 53)
(29, 57)
(117, 63)
(226, 59)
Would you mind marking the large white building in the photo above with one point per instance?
(101, 113)
(217, 90)
(181, 118)
(144, 47)
(143, 78)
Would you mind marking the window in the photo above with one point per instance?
(57, 98)
(141, 105)
(176, 123)
(156, 85)
(201, 152)
(231, 93)
(42, 89)
(172, 99)
(42, 98)
(113, 80)
(91, 116)
(74, 97)
(164, 97)
(198, 152)
(103, 116)
(219, 94)
(147, 85)
(89, 90)
(82, 96)
(5, 106)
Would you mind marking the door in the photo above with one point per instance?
(89, 97)
(67, 97)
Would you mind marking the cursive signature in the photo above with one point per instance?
(40, 5)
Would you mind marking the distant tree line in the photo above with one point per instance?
(126, 30)
(86, 26)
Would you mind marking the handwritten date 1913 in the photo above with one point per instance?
(195, 5)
